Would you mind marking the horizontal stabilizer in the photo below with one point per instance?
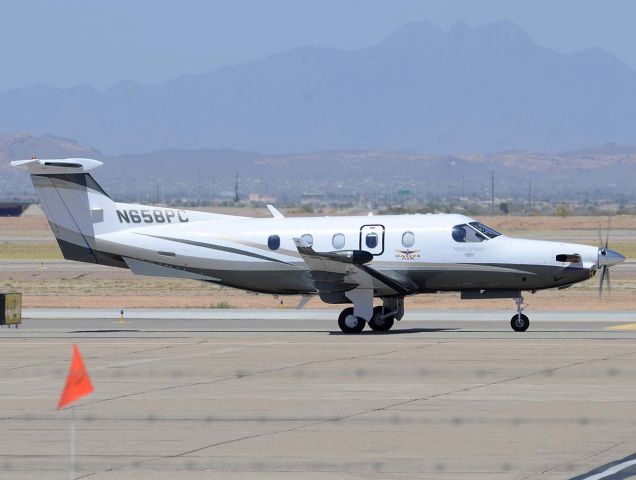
(42, 166)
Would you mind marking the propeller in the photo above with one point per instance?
(606, 258)
(602, 250)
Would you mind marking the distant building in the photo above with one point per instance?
(12, 209)
(257, 197)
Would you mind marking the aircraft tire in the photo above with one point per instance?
(519, 325)
(345, 322)
(383, 325)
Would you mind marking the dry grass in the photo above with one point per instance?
(51, 284)
(29, 250)
(556, 224)
(25, 226)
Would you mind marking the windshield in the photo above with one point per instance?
(489, 232)
(473, 232)
(466, 234)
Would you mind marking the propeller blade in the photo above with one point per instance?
(603, 251)
(600, 285)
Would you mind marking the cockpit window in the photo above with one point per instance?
(489, 232)
(473, 232)
(466, 234)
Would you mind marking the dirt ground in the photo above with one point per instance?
(186, 294)
(32, 264)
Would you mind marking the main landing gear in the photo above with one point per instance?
(382, 317)
(381, 322)
(349, 323)
(519, 322)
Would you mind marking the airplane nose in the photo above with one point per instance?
(609, 258)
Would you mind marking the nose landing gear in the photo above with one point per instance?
(519, 322)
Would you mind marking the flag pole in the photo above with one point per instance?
(78, 384)
(72, 452)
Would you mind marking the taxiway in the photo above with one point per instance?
(283, 394)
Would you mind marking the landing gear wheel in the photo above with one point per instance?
(379, 324)
(349, 323)
(519, 323)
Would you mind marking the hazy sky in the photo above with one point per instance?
(100, 42)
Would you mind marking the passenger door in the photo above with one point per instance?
(372, 239)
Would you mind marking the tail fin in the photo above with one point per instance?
(74, 204)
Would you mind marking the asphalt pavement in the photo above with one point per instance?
(283, 394)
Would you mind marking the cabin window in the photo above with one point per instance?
(273, 242)
(338, 241)
(408, 239)
(308, 239)
(467, 234)
(371, 240)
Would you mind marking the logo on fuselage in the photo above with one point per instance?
(407, 254)
(155, 215)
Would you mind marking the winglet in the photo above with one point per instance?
(275, 213)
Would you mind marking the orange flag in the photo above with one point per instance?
(78, 383)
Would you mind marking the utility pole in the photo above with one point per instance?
(530, 197)
(492, 192)
(236, 188)
(198, 199)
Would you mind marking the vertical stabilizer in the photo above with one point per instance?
(73, 202)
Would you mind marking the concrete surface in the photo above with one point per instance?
(245, 318)
(270, 396)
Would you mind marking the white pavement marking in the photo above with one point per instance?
(313, 314)
(612, 470)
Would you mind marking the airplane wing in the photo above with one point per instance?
(341, 271)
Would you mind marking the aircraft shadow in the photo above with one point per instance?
(401, 331)
(106, 331)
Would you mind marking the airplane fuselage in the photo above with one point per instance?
(238, 252)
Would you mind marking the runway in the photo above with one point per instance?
(282, 394)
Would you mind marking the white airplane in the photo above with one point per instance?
(344, 260)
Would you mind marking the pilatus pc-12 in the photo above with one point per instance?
(344, 260)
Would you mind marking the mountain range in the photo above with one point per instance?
(421, 89)
(599, 174)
